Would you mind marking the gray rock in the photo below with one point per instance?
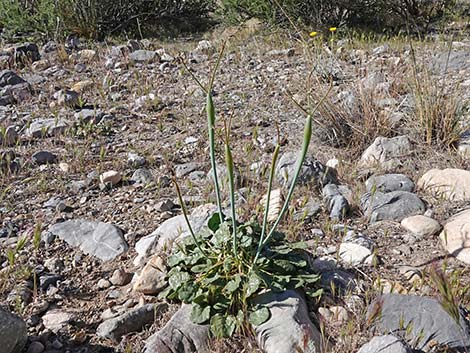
(135, 160)
(88, 115)
(395, 205)
(308, 212)
(289, 328)
(44, 157)
(312, 171)
(13, 332)
(142, 176)
(179, 335)
(130, 321)
(338, 279)
(99, 239)
(56, 319)
(182, 170)
(46, 127)
(67, 97)
(10, 78)
(26, 53)
(387, 153)
(10, 137)
(143, 56)
(384, 344)
(390, 182)
(423, 321)
(49, 47)
(35, 347)
(337, 204)
(456, 61)
(222, 177)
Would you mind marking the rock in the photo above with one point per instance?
(44, 157)
(312, 171)
(455, 236)
(457, 61)
(103, 284)
(395, 205)
(13, 333)
(451, 184)
(135, 160)
(46, 127)
(80, 87)
(142, 176)
(204, 46)
(281, 52)
(10, 136)
(88, 115)
(131, 321)
(355, 254)
(8, 161)
(87, 54)
(56, 319)
(464, 144)
(36, 347)
(308, 212)
(99, 239)
(120, 278)
(381, 49)
(387, 153)
(222, 177)
(389, 182)
(289, 314)
(170, 230)
(179, 335)
(152, 278)
(384, 344)
(335, 314)
(66, 97)
(26, 53)
(10, 78)
(423, 320)
(49, 47)
(15, 94)
(111, 177)
(337, 204)
(182, 170)
(421, 226)
(143, 56)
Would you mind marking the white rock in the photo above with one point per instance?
(451, 184)
(54, 320)
(151, 279)
(456, 236)
(421, 226)
(113, 177)
(386, 152)
(355, 254)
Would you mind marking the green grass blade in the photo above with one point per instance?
(229, 162)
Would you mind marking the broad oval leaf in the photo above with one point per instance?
(214, 222)
(252, 285)
(200, 314)
(233, 284)
(259, 316)
(177, 279)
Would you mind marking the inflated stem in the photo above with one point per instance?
(229, 162)
(210, 124)
(268, 199)
(300, 162)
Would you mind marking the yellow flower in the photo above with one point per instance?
(313, 34)
(333, 29)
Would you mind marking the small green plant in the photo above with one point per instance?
(224, 267)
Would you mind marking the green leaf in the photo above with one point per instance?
(259, 316)
(187, 292)
(200, 314)
(314, 293)
(176, 259)
(177, 279)
(165, 293)
(233, 284)
(223, 326)
(201, 268)
(214, 222)
(252, 285)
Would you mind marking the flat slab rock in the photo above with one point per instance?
(179, 335)
(395, 205)
(289, 329)
(390, 182)
(456, 236)
(13, 333)
(131, 321)
(103, 240)
(427, 320)
(387, 152)
(384, 344)
(451, 184)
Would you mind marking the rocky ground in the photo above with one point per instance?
(91, 134)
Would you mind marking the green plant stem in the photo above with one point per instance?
(185, 214)
(229, 162)
(211, 122)
(300, 161)
(268, 199)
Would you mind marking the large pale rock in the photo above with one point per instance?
(152, 278)
(130, 321)
(390, 182)
(46, 127)
(384, 344)
(56, 319)
(289, 329)
(169, 231)
(456, 236)
(394, 205)
(424, 321)
(110, 177)
(420, 225)
(103, 240)
(13, 332)
(179, 335)
(451, 184)
(386, 152)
